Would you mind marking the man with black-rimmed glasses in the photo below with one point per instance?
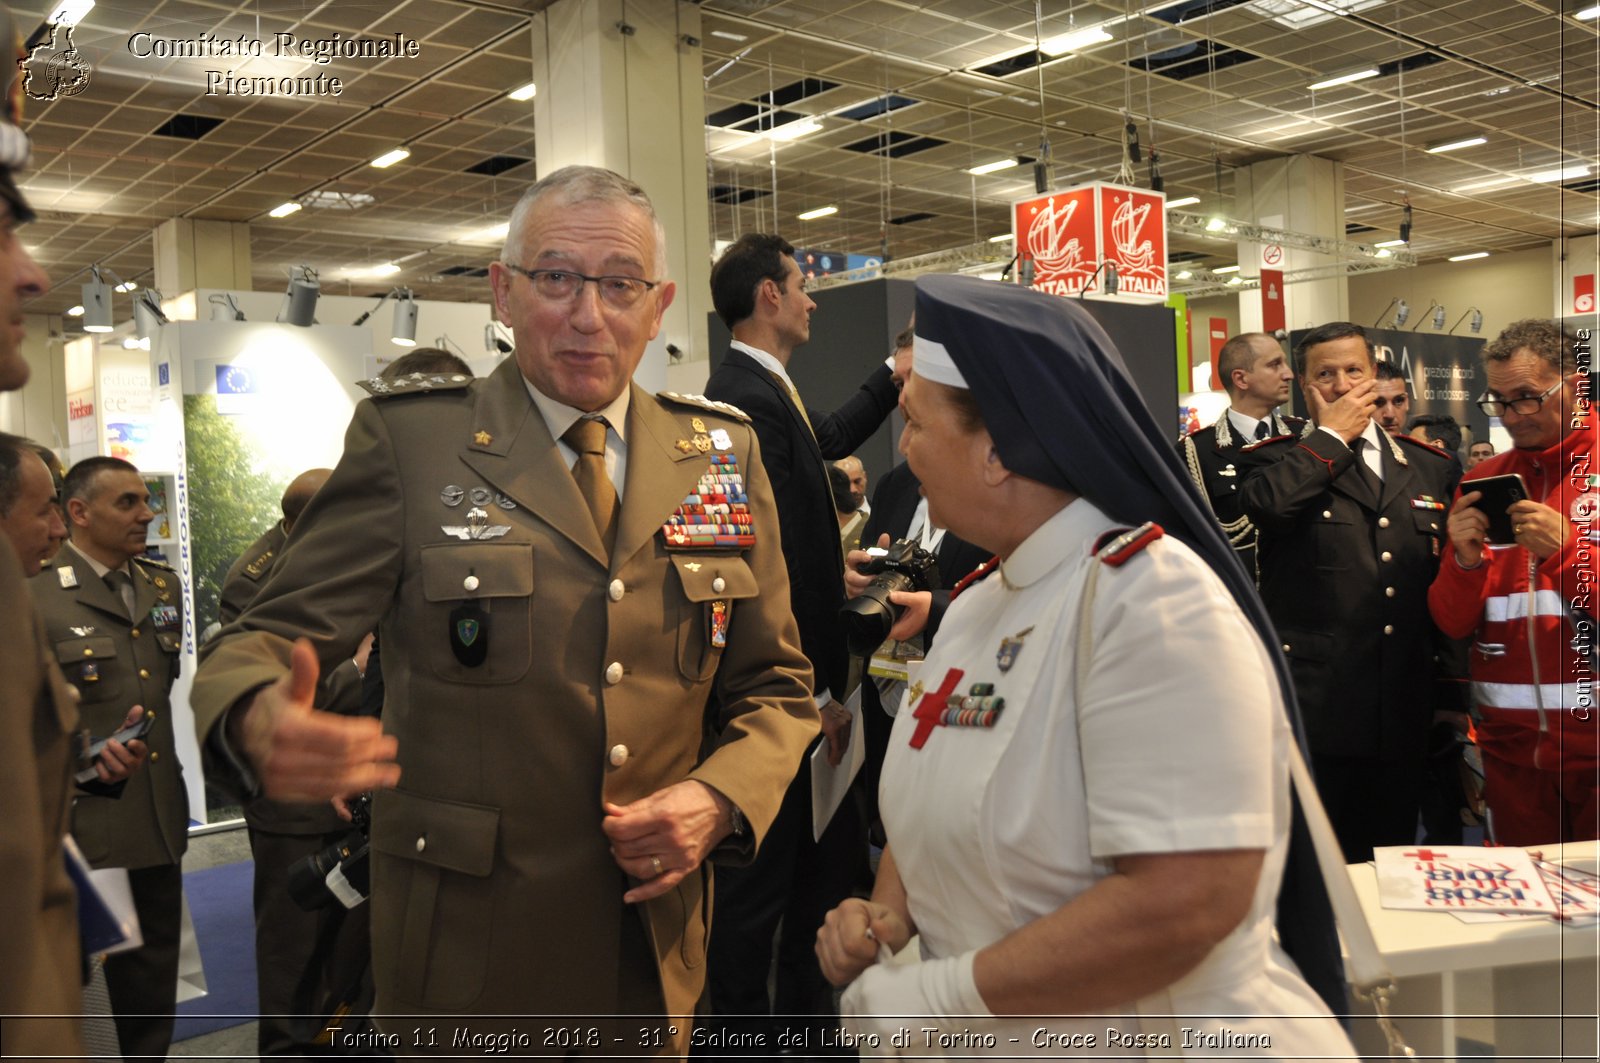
(1529, 603)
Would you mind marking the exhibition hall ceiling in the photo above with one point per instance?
(908, 97)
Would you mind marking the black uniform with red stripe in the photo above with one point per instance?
(1345, 577)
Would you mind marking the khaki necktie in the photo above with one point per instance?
(794, 397)
(587, 436)
(122, 587)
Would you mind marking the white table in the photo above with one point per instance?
(1531, 982)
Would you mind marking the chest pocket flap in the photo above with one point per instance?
(88, 648)
(501, 570)
(706, 577)
(447, 834)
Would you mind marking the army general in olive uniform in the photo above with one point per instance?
(556, 596)
(115, 621)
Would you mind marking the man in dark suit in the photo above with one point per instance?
(115, 620)
(1352, 521)
(1256, 374)
(758, 291)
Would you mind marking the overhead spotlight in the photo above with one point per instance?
(1107, 272)
(1436, 310)
(300, 300)
(1477, 321)
(148, 317)
(96, 303)
(404, 333)
(223, 308)
(1400, 314)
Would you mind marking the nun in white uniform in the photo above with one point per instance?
(1087, 829)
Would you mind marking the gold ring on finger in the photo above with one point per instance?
(655, 865)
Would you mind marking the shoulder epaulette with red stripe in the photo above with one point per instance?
(974, 576)
(1118, 545)
(1425, 446)
(1263, 442)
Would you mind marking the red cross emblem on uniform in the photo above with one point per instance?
(932, 706)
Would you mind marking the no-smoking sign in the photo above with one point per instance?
(1272, 255)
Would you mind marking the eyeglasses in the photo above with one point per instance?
(1528, 404)
(561, 285)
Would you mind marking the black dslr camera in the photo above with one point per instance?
(341, 871)
(868, 617)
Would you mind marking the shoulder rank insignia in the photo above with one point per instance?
(1252, 445)
(259, 565)
(1425, 446)
(1117, 546)
(413, 383)
(67, 577)
(152, 562)
(703, 403)
(974, 576)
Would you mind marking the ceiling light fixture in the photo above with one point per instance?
(76, 311)
(1389, 243)
(1436, 312)
(1002, 238)
(389, 158)
(1588, 14)
(1182, 201)
(404, 331)
(1226, 269)
(300, 299)
(69, 12)
(993, 167)
(1076, 41)
(1345, 79)
(96, 303)
(1400, 314)
(819, 212)
(1469, 257)
(727, 36)
(1565, 173)
(526, 92)
(1457, 144)
(127, 286)
(1184, 275)
(1109, 282)
(1217, 224)
(283, 210)
(224, 308)
(802, 127)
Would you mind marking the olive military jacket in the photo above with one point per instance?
(494, 890)
(116, 663)
(39, 959)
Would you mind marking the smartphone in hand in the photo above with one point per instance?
(1499, 494)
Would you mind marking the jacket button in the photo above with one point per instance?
(614, 673)
(719, 585)
(144, 673)
(616, 590)
(88, 652)
(1386, 556)
(422, 843)
(155, 755)
(151, 713)
(1327, 514)
(618, 755)
(470, 583)
(1286, 647)
(134, 632)
(1388, 629)
(1388, 592)
(1383, 522)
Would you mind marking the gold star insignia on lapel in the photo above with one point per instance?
(482, 438)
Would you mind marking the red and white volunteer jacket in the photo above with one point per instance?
(1555, 724)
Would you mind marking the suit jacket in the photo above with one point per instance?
(894, 503)
(116, 663)
(341, 690)
(41, 971)
(1345, 578)
(794, 456)
(493, 887)
(1218, 462)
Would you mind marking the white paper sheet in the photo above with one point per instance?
(829, 784)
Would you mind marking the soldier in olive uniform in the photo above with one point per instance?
(40, 972)
(115, 620)
(560, 566)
